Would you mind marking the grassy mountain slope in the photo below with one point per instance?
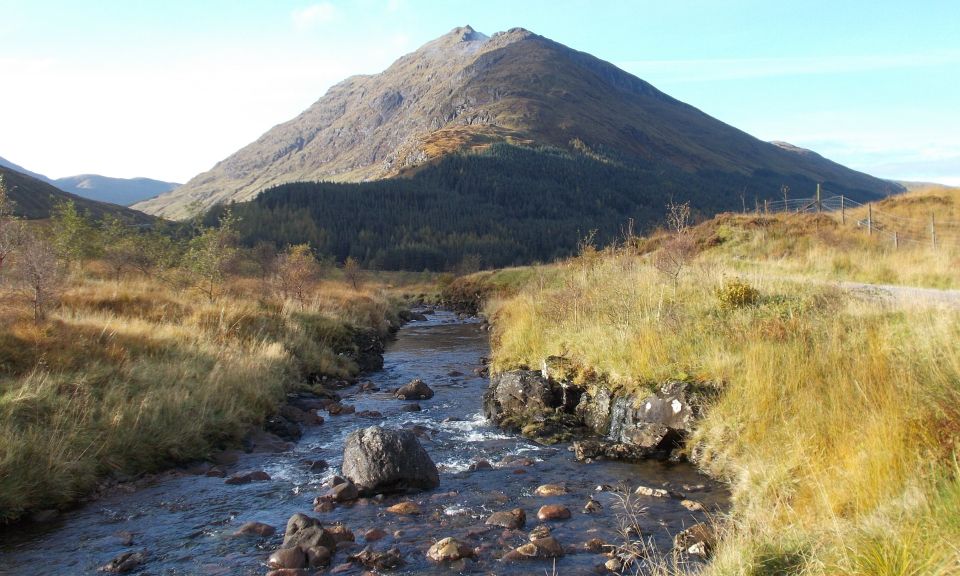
(464, 91)
(34, 198)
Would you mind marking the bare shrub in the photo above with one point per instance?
(40, 273)
(353, 273)
(296, 269)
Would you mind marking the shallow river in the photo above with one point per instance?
(185, 523)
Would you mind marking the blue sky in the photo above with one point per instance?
(166, 89)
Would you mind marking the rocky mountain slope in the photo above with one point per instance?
(466, 90)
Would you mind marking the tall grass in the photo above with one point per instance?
(131, 377)
(836, 422)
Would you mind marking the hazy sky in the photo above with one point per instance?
(166, 89)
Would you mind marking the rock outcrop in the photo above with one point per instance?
(623, 427)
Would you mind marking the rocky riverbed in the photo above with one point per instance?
(504, 504)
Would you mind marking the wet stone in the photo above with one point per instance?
(550, 490)
(404, 509)
(449, 550)
(415, 390)
(512, 519)
(288, 558)
(553, 512)
(344, 492)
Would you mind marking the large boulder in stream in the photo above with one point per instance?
(416, 389)
(381, 461)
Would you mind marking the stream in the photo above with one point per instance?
(185, 523)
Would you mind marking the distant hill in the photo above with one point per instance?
(465, 91)
(34, 199)
(122, 191)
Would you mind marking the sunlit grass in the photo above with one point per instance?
(129, 377)
(836, 420)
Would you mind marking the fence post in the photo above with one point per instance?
(766, 206)
(896, 239)
(819, 204)
(933, 231)
(869, 219)
(843, 211)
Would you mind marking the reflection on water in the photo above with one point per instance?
(185, 523)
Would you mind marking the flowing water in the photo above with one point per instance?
(186, 523)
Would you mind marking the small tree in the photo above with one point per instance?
(209, 253)
(120, 250)
(353, 273)
(11, 228)
(41, 274)
(72, 233)
(679, 248)
(296, 270)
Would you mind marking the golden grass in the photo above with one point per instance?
(836, 422)
(809, 246)
(131, 377)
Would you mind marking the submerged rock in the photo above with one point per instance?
(404, 508)
(382, 461)
(540, 548)
(247, 477)
(126, 562)
(256, 528)
(510, 519)
(379, 560)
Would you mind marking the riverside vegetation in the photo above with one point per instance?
(836, 420)
(125, 351)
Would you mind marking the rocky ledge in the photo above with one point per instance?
(602, 422)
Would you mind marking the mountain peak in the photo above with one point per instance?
(464, 91)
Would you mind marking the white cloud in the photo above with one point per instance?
(312, 15)
(395, 5)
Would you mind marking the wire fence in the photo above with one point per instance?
(898, 230)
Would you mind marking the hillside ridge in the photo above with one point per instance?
(465, 90)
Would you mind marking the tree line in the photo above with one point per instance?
(38, 259)
(508, 205)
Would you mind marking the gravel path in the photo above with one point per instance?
(906, 295)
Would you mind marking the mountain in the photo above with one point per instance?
(464, 91)
(122, 191)
(4, 163)
(33, 198)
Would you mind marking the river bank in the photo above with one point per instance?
(186, 523)
(831, 415)
(129, 378)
